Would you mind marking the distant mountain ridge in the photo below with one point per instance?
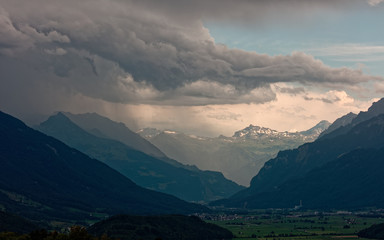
(158, 174)
(43, 179)
(376, 109)
(257, 132)
(312, 170)
(340, 122)
(352, 120)
(315, 131)
(104, 127)
(239, 157)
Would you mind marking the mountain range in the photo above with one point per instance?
(43, 179)
(340, 122)
(160, 174)
(342, 169)
(105, 128)
(47, 181)
(239, 157)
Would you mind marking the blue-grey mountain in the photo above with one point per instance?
(340, 122)
(106, 128)
(148, 171)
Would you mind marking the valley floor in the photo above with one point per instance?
(293, 225)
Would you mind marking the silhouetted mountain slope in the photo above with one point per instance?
(41, 178)
(375, 231)
(376, 109)
(171, 227)
(353, 180)
(104, 127)
(296, 163)
(12, 223)
(340, 122)
(145, 170)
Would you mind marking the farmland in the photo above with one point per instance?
(292, 225)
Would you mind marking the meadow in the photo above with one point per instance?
(293, 225)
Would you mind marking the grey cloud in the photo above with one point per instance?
(326, 100)
(56, 51)
(152, 52)
(205, 92)
(292, 91)
(329, 100)
(10, 38)
(225, 116)
(308, 98)
(20, 36)
(256, 12)
(51, 36)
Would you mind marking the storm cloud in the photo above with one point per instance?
(150, 52)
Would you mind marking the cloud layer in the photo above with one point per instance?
(151, 52)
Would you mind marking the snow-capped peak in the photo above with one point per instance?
(257, 132)
(254, 132)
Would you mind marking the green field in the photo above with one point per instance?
(296, 225)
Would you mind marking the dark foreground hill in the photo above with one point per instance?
(170, 227)
(12, 223)
(41, 178)
(376, 231)
(143, 169)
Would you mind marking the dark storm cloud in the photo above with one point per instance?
(255, 12)
(155, 52)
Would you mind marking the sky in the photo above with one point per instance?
(201, 67)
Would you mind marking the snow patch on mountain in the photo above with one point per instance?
(257, 132)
